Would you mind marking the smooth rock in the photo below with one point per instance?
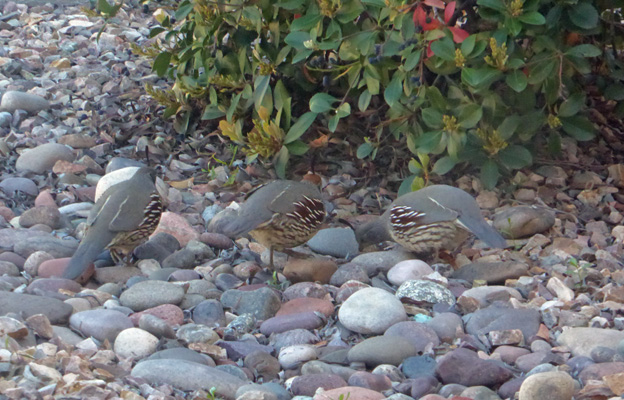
(364, 379)
(43, 157)
(148, 294)
(196, 333)
(414, 367)
(496, 318)
(491, 272)
(156, 326)
(14, 100)
(135, 343)
(209, 313)
(310, 270)
(335, 242)
(182, 353)
(582, 341)
(382, 350)
(381, 261)
(12, 185)
(486, 295)
(262, 364)
(262, 303)
(408, 270)
(447, 326)
(177, 226)
(599, 371)
(463, 366)
(283, 323)
(306, 385)
(56, 247)
(547, 385)
(371, 311)
(303, 290)
(349, 392)
(29, 305)
(293, 356)
(300, 305)
(171, 314)
(523, 221)
(100, 323)
(419, 335)
(187, 375)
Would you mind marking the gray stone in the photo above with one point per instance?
(495, 318)
(187, 375)
(424, 292)
(210, 313)
(148, 294)
(335, 242)
(24, 185)
(371, 311)
(13, 100)
(523, 221)
(262, 303)
(43, 157)
(381, 261)
(582, 341)
(491, 272)
(464, 366)
(182, 353)
(56, 247)
(28, 305)
(100, 323)
(553, 385)
(421, 336)
(382, 350)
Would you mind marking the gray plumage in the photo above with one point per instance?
(430, 219)
(122, 217)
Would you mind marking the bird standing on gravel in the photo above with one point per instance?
(122, 218)
(430, 219)
(281, 214)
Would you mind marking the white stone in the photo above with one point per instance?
(135, 343)
(371, 311)
(113, 178)
(13, 100)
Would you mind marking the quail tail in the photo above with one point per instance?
(484, 232)
(84, 255)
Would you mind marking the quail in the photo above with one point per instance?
(124, 216)
(280, 214)
(430, 219)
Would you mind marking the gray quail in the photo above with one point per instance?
(280, 214)
(430, 219)
(124, 216)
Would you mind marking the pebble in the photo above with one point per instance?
(45, 215)
(188, 375)
(14, 100)
(447, 326)
(135, 343)
(491, 272)
(306, 385)
(381, 261)
(32, 263)
(242, 348)
(28, 305)
(464, 366)
(283, 323)
(209, 313)
(263, 365)
(335, 242)
(523, 221)
(196, 333)
(494, 318)
(177, 226)
(582, 341)
(305, 290)
(408, 270)
(424, 292)
(262, 303)
(156, 326)
(364, 379)
(42, 241)
(417, 366)
(171, 314)
(43, 157)
(148, 294)
(300, 305)
(310, 270)
(294, 356)
(101, 324)
(486, 295)
(182, 353)
(12, 185)
(350, 392)
(382, 350)
(421, 336)
(547, 385)
(371, 311)
(348, 272)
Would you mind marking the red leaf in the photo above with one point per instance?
(421, 17)
(459, 35)
(449, 11)
(429, 51)
(296, 16)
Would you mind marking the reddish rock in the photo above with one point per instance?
(14, 258)
(306, 385)
(46, 215)
(304, 320)
(463, 366)
(597, 371)
(171, 314)
(7, 213)
(45, 199)
(306, 304)
(310, 270)
(375, 382)
(305, 290)
(350, 392)
(43, 285)
(177, 226)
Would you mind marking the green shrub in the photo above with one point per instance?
(488, 92)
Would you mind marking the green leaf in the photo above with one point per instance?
(515, 157)
(233, 105)
(364, 150)
(212, 112)
(583, 15)
(470, 115)
(161, 63)
(489, 174)
(615, 92)
(432, 117)
(508, 127)
(332, 123)
(394, 90)
(261, 86)
(364, 100)
(436, 98)
(412, 60)
(532, 18)
(517, 80)
(281, 160)
(155, 31)
(184, 8)
(479, 77)
(297, 39)
(468, 45)
(579, 127)
(406, 186)
(344, 110)
(541, 71)
(584, 50)
(572, 105)
(428, 141)
(498, 5)
(300, 127)
(443, 165)
(306, 22)
(322, 102)
(444, 48)
(104, 7)
(297, 148)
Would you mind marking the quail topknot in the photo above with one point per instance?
(124, 216)
(280, 214)
(430, 219)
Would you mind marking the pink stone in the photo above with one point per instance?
(7, 213)
(171, 314)
(177, 226)
(303, 304)
(45, 199)
(57, 266)
(351, 392)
